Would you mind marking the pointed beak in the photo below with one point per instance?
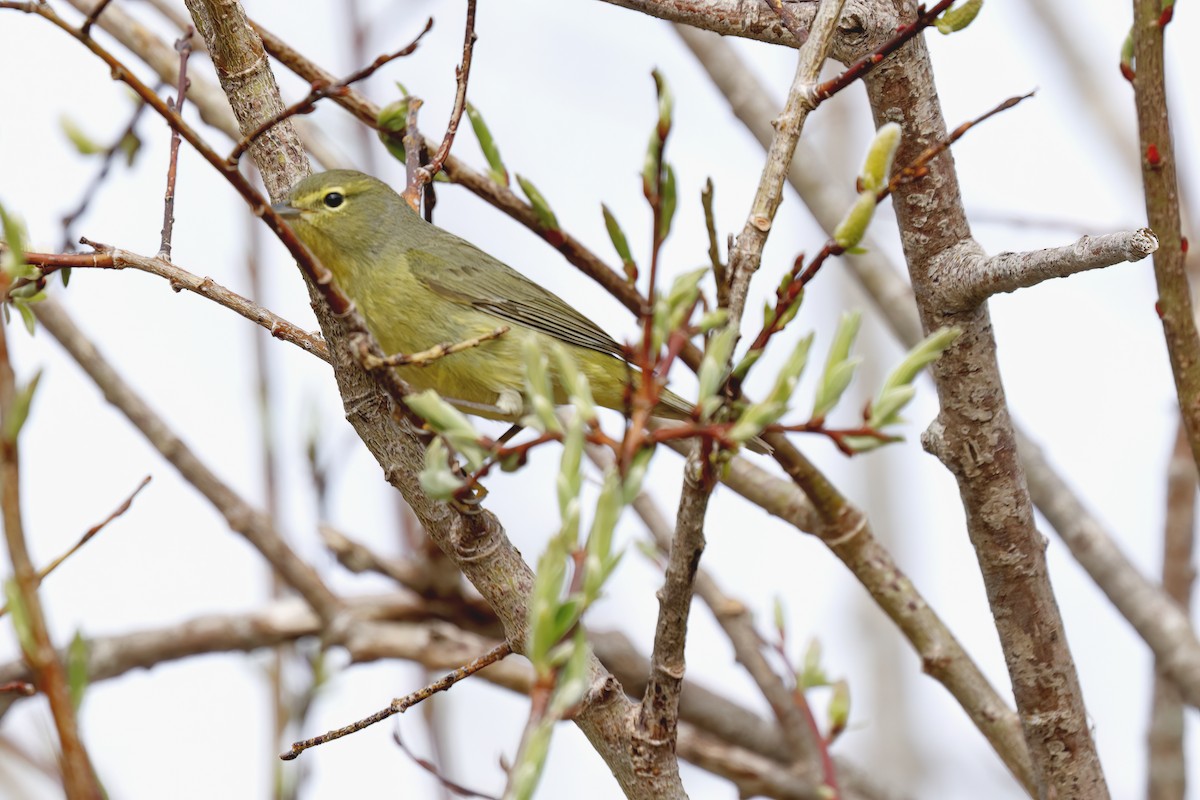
(286, 210)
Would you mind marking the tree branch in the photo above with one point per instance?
(977, 279)
(974, 438)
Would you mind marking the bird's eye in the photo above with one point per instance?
(334, 199)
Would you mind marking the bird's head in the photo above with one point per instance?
(342, 214)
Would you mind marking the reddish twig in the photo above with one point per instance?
(460, 100)
(400, 705)
(18, 687)
(322, 90)
(432, 769)
(183, 45)
(924, 19)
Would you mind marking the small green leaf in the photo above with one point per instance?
(669, 202)
(541, 208)
(18, 412)
(713, 369)
(839, 367)
(20, 617)
(959, 17)
(877, 166)
(437, 478)
(666, 104)
(12, 259)
(620, 243)
(447, 420)
(812, 674)
(83, 143)
(487, 143)
(853, 226)
(130, 145)
(77, 669)
(538, 390)
(839, 708)
(579, 391)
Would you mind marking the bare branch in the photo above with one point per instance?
(184, 46)
(399, 706)
(977, 279)
(179, 278)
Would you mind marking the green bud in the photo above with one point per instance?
(959, 17)
(812, 673)
(877, 168)
(575, 383)
(12, 259)
(437, 478)
(713, 368)
(839, 367)
(77, 669)
(839, 708)
(541, 208)
(539, 391)
(712, 320)
(18, 412)
(669, 201)
(666, 103)
(853, 226)
(83, 143)
(619, 242)
(447, 420)
(487, 143)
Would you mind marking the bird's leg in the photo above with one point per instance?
(512, 431)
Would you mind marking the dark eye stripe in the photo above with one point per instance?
(334, 199)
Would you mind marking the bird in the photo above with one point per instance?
(418, 287)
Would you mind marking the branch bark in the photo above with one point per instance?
(974, 438)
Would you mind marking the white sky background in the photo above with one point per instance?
(566, 90)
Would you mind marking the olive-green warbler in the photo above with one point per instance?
(419, 286)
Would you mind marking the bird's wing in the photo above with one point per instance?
(472, 277)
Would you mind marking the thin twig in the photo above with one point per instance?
(87, 536)
(322, 89)
(184, 46)
(178, 278)
(857, 70)
(433, 770)
(400, 705)
(461, 74)
(426, 357)
(86, 28)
